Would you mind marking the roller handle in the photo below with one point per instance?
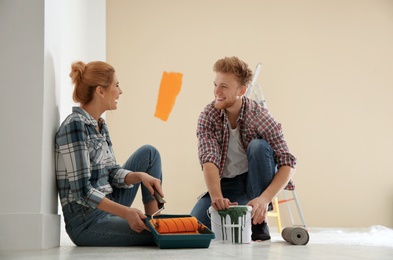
(159, 199)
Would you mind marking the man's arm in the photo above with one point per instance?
(260, 204)
(212, 180)
(280, 180)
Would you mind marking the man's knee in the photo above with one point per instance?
(258, 145)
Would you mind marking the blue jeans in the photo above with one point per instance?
(244, 187)
(94, 227)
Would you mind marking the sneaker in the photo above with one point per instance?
(260, 232)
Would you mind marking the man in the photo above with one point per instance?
(242, 150)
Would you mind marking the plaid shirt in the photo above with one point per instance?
(86, 167)
(255, 122)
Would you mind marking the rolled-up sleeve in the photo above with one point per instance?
(117, 177)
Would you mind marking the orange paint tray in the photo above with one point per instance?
(180, 240)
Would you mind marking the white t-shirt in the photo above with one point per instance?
(236, 162)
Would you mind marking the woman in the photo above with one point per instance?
(95, 192)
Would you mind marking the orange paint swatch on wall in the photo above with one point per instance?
(169, 89)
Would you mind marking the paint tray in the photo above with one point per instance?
(180, 240)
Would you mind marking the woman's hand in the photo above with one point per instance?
(135, 219)
(147, 180)
(150, 183)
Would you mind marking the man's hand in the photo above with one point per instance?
(259, 209)
(222, 203)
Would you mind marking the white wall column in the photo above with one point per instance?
(38, 41)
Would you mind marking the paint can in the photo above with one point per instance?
(232, 225)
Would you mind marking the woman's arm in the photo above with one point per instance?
(133, 216)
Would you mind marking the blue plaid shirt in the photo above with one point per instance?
(86, 167)
(255, 122)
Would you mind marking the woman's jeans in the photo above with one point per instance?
(94, 227)
(244, 187)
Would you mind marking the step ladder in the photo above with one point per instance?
(254, 91)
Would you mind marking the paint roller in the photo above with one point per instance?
(173, 225)
(295, 235)
(176, 225)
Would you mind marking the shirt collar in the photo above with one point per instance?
(243, 109)
(87, 117)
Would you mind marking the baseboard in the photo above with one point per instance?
(29, 231)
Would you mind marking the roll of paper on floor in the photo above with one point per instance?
(295, 235)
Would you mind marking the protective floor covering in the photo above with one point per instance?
(375, 242)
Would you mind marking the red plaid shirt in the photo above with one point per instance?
(255, 122)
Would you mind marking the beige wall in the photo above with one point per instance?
(326, 75)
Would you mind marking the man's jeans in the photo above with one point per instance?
(94, 227)
(244, 187)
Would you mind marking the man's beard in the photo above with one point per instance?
(224, 105)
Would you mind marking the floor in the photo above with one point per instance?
(375, 242)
